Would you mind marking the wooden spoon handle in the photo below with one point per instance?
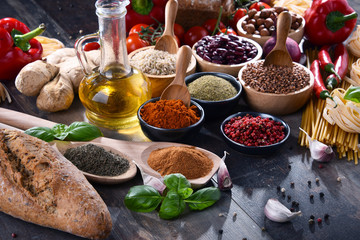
(170, 16)
(282, 29)
(183, 59)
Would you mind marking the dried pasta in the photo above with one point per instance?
(295, 6)
(313, 122)
(354, 42)
(49, 45)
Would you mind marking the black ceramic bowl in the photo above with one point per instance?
(255, 150)
(170, 135)
(215, 109)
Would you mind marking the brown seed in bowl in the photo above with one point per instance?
(268, 22)
(251, 13)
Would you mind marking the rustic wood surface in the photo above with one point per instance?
(255, 178)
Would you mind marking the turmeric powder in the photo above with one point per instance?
(170, 114)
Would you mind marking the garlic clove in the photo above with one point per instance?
(223, 176)
(277, 212)
(318, 150)
(152, 181)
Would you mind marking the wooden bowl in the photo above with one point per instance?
(206, 66)
(160, 82)
(296, 35)
(277, 104)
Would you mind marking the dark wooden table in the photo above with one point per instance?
(255, 178)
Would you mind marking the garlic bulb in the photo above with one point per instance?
(152, 181)
(277, 212)
(223, 176)
(318, 150)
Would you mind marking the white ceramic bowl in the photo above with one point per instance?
(296, 35)
(277, 104)
(206, 66)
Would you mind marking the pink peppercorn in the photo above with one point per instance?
(319, 220)
(254, 131)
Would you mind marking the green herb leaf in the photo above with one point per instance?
(203, 198)
(353, 94)
(179, 183)
(172, 205)
(142, 198)
(59, 131)
(82, 131)
(43, 133)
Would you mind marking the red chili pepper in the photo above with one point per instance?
(326, 63)
(149, 12)
(341, 66)
(20, 50)
(319, 87)
(329, 21)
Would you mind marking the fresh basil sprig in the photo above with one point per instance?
(77, 131)
(145, 198)
(353, 94)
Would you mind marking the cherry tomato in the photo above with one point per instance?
(210, 24)
(138, 27)
(228, 31)
(91, 46)
(134, 42)
(179, 32)
(194, 34)
(241, 12)
(259, 6)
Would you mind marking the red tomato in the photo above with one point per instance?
(241, 12)
(138, 27)
(194, 34)
(179, 32)
(259, 6)
(228, 31)
(210, 24)
(91, 46)
(134, 42)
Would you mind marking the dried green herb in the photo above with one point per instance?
(96, 160)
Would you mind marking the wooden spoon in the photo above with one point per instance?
(133, 151)
(177, 89)
(167, 41)
(279, 55)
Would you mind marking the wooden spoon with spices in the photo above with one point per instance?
(177, 89)
(279, 55)
(167, 42)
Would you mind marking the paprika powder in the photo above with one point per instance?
(170, 114)
(189, 161)
(329, 21)
(18, 47)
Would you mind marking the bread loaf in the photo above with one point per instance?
(39, 185)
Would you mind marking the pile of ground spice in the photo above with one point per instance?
(170, 114)
(96, 160)
(189, 161)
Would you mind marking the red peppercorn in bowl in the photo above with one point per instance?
(254, 133)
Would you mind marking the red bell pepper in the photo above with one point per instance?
(145, 11)
(18, 47)
(329, 22)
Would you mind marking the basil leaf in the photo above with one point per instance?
(176, 181)
(172, 205)
(43, 133)
(203, 198)
(353, 94)
(185, 192)
(59, 131)
(142, 198)
(82, 131)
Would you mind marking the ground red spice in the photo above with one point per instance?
(254, 131)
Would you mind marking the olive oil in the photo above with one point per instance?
(113, 97)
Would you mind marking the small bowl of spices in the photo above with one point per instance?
(99, 163)
(225, 53)
(158, 66)
(170, 120)
(254, 133)
(217, 93)
(276, 89)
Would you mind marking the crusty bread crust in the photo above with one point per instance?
(39, 185)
